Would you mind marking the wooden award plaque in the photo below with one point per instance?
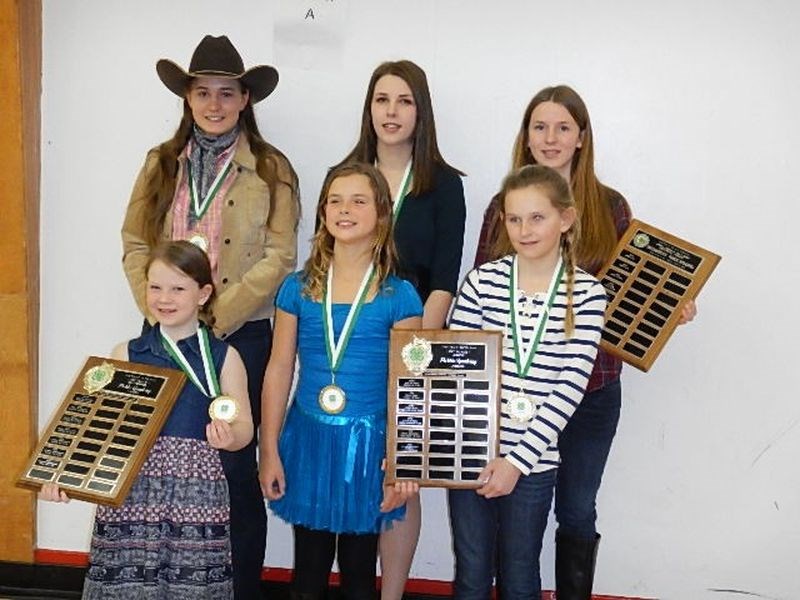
(647, 279)
(101, 434)
(444, 406)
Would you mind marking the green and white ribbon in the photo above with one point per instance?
(525, 359)
(212, 388)
(402, 192)
(335, 348)
(199, 208)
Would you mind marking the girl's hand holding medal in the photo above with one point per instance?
(223, 411)
(220, 435)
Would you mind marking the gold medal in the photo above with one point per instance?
(224, 408)
(521, 408)
(199, 240)
(332, 399)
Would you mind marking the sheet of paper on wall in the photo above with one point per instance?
(309, 34)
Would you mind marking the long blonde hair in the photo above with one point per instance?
(384, 255)
(552, 185)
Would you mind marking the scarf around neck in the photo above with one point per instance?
(206, 149)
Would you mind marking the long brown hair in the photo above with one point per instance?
(552, 185)
(384, 255)
(426, 155)
(599, 234)
(160, 186)
(192, 262)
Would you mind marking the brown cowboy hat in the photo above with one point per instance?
(216, 57)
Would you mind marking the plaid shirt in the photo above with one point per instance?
(607, 367)
(210, 225)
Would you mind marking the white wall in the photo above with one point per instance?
(695, 114)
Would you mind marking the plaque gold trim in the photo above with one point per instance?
(649, 277)
(101, 434)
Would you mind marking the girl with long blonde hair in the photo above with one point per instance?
(321, 471)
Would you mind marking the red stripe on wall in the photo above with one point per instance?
(61, 558)
(428, 587)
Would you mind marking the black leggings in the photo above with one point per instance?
(314, 551)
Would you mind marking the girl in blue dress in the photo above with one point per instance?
(171, 536)
(398, 135)
(322, 472)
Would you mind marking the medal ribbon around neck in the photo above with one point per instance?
(523, 360)
(335, 348)
(402, 192)
(197, 207)
(209, 371)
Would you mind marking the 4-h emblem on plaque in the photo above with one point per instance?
(641, 240)
(98, 377)
(417, 355)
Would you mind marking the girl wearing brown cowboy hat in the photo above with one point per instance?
(218, 184)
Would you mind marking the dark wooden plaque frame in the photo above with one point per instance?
(648, 278)
(443, 422)
(98, 439)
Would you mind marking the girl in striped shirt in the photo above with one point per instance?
(552, 314)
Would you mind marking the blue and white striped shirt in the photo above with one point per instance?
(561, 367)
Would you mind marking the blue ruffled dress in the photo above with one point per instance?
(332, 463)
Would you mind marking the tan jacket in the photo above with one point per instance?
(254, 257)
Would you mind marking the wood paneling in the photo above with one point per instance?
(20, 82)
